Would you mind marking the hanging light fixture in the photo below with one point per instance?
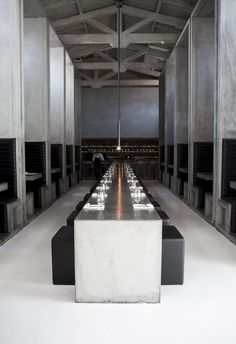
(119, 4)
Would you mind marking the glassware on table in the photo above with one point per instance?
(137, 195)
(101, 199)
(134, 185)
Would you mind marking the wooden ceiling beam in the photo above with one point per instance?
(114, 66)
(80, 18)
(153, 16)
(123, 83)
(126, 40)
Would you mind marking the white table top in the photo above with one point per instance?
(183, 170)
(205, 175)
(55, 170)
(232, 184)
(30, 177)
(3, 187)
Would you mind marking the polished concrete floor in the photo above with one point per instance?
(32, 310)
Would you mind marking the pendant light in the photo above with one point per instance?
(119, 4)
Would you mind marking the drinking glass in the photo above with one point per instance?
(101, 199)
(133, 186)
(137, 195)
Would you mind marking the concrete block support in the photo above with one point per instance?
(186, 192)
(208, 206)
(12, 108)
(29, 205)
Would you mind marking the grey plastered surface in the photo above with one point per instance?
(12, 105)
(78, 111)
(139, 112)
(202, 76)
(202, 79)
(181, 109)
(162, 109)
(57, 95)
(36, 79)
(170, 101)
(36, 84)
(225, 119)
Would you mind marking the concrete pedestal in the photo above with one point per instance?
(186, 192)
(45, 196)
(223, 215)
(208, 205)
(29, 205)
(118, 250)
(118, 261)
(53, 192)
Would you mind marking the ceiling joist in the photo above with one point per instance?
(85, 17)
(153, 16)
(126, 39)
(113, 66)
(123, 83)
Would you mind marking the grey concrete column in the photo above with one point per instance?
(36, 81)
(181, 105)
(170, 103)
(78, 109)
(161, 118)
(201, 88)
(11, 88)
(225, 119)
(78, 117)
(70, 110)
(57, 101)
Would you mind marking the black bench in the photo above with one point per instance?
(164, 217)
(173, 251)
(172, 256)
(63, 266)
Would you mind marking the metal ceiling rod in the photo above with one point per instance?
(119, 4)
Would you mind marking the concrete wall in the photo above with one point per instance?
(225, 118)
(11, 111)
(11, 87)
(36, 79)
(139, 112)
(162, 108)
(57, 95)
(170, 100)
(78, 111)
(181, 110)
(202, 83)
(36, 84)
(202, 79)
(70, 112)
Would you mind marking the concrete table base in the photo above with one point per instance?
(118, 261)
